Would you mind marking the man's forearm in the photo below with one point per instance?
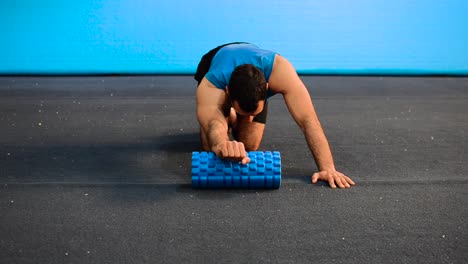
(319, 146)
(216, 133)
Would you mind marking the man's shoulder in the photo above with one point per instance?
(282, 71)
(207, 85)
(216, 77)
(209, 96)
(279, 60)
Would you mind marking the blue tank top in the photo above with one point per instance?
(231, 56)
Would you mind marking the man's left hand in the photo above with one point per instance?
(333, 178)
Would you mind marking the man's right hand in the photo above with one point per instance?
(231, 150)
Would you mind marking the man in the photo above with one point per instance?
(235, 81)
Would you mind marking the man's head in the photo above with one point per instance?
(247, 88)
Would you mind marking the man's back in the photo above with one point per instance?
(231, 56)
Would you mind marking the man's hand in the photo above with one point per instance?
(231, 150)
(333, 176)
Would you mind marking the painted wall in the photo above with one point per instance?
(151, 36)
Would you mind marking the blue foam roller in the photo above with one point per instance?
(263, 171)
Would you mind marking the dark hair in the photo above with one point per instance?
(247, 86)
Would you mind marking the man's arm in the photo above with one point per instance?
(285, 80)
(213, 124)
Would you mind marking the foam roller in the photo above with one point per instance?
(263, 171)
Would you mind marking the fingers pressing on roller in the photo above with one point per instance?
(232, 150)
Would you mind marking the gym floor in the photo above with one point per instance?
(97, 170)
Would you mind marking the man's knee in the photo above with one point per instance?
(251, 138)
(252, 145)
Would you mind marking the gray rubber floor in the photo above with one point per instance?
(97, 170)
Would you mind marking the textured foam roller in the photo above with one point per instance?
(263, 171)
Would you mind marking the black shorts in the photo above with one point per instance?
(204, 67)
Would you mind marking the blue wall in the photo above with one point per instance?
(150, 36)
